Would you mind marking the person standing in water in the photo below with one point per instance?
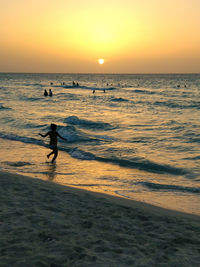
(53, 134)
(50, 92)
(45, 93)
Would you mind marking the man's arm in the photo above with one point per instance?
(43, 135)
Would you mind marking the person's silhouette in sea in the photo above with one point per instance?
(50, 92)
(45, 93)
(53, 135)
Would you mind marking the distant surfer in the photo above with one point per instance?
(45, 93)
(53, 135)
(93, 91)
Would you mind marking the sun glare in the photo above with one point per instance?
(101, 61)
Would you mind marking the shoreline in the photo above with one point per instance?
(48, 224)
(30, 161)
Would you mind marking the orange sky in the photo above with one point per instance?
(140, 36)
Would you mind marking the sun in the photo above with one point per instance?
(101, 61)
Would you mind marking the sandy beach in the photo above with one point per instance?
(46, 224)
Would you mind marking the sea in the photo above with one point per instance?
(134, 136)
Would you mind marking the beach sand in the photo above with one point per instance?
(46, 224)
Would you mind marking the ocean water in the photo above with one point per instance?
(138, 139)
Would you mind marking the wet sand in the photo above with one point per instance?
(46, 224)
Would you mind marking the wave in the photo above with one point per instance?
(120, 99)
(139, 164)
(23, 139)
(72, 134)
(195, 104)
(193, 158)
(168, 187)
(67, 96)
(2, 107)
(31, 99)
(75, 136)
(144, 91)
(170, 104)
(87, 185)
(87, 87)
(34, 84)
(145, 165)
(88, 124)
(17, 164)
(194, 140)
(80, 154)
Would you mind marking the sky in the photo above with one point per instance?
(69, 36)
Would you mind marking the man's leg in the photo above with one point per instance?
(55, 152)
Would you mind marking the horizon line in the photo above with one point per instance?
(108, 73)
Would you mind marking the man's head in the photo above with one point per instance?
(53, 127)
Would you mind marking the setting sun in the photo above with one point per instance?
(101, 61)
(116, 36)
